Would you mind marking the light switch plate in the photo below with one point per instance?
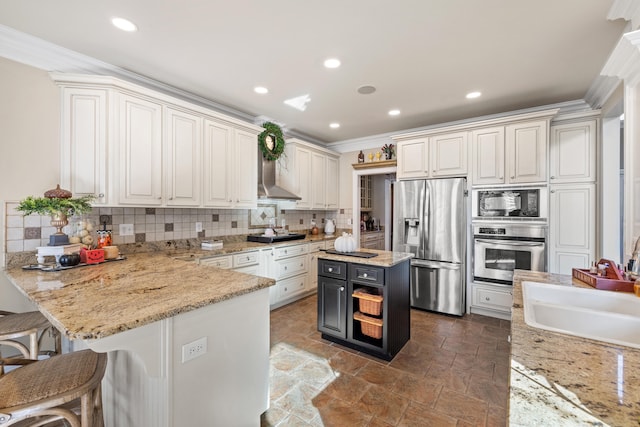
(198, 227)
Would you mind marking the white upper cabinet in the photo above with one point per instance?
(140, 147)
(311, 173)
(413, 158)
(526, 152)
(230, 181)
(245, 169)
(449, 154)
(84, 144)
(572, 152)
(511, 154)
(319, 184)
(132, 146)
(433, 156)
(184, 158)
(332, 196)
(488, 155)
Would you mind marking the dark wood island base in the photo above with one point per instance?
(365, 304)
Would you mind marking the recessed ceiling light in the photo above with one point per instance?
(261, 90)
(332, 63)
(124, 24)
(394, 112)
(366, 89)
(334, 125)
(472, 95)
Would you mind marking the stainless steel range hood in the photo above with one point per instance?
(267, 188)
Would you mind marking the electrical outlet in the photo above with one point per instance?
(198, 227)
(126, 229)
(194, 349)
(349, 221)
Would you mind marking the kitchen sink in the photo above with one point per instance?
(608, 316)
(262, 238)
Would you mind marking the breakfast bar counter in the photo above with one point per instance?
(563, 380)
(188, 344)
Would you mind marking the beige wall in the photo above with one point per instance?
(30, 140)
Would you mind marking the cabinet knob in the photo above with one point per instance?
(552, 191)
(248, 258)
(237, 200)
(285, 289)
(341, 288)
(301, 264)
(512, 177)
(501, 177)
(170, 198)
(330, 269)
(285, 267)
(364, 275)
(101, 195)
(487, 299)
(553, 177)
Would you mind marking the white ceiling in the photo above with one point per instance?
(423, 56)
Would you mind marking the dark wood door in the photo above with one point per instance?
(332, 306)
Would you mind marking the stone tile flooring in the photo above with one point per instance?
(453, 372)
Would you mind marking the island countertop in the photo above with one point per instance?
(383, 259)
(563, 380)
(100, 300)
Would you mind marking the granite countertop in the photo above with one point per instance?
(384, 258)
(562, 380)
(100, 300)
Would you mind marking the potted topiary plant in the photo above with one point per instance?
(58, 204)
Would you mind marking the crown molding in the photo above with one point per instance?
(624, 61)
(629, 10)
(38, 53)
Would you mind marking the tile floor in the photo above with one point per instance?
(453, 372)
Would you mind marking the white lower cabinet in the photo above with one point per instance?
(492, 300)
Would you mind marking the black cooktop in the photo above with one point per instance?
(261, 238)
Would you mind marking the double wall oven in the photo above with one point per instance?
(509, 232)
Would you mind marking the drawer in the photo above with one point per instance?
(289, 251)
(493, 299)
(315, 246)
(335, 269)
(369, 237)
(245, 259)
(293, 286)
(366, 273)
(225, 261)
(291, 266)
(330, 244)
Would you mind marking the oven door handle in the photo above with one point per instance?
(509, 242)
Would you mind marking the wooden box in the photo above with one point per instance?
(612, 281)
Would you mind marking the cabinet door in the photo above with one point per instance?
(318, 181)
(413, 161)
(332, 183)
(487, 156)
(527, 152)
(572, 152)
(332, 307)
(301, 173)
(140, 165)
(245, 172)
(448, 154)
(572, 239)
(83, 169)
(217, 161)
(184, 157)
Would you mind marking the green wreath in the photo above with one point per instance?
(270, 141)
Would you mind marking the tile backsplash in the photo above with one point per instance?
(26, 233)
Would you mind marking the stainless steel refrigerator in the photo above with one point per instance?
(430, 219)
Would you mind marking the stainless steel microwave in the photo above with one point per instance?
(510, 203)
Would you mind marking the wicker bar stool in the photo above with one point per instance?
(44, 391)
(17, 325)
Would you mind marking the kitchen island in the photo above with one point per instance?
(364, 303)
(563, 380)
(152, 312)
